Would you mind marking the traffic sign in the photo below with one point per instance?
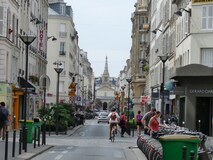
(78, 98)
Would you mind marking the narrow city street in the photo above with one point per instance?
(90, 142)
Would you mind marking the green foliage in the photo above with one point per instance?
(64, 112)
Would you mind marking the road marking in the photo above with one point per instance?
(70, 147)
(58, 157)
(51, 152)
(64, 152)
(82, 134)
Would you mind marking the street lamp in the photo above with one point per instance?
(163, 59)
(129, 81)
(27, 39)
(122, 95)
(58, 69)
(53, 38)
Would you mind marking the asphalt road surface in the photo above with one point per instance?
(90, 142)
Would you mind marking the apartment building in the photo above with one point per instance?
(14, 69)
(66, 52)
(182, 31)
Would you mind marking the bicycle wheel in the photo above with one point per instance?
(113, 135)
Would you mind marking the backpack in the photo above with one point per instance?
(3, 116)
(113, 116)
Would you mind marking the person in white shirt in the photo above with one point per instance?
(113, 121)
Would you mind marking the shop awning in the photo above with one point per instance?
(23, 83)
(193, 70)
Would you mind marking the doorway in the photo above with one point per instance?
(182, 111)
(204, 115)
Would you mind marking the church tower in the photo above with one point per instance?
(105, 76)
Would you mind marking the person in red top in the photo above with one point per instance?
(139, 123)
(153, 122)
(122, 123)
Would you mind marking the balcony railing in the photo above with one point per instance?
(63, 34)
(201, 1)
(62, 53)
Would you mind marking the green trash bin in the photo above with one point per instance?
(173, 146)
(30, 129)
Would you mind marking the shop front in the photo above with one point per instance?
(194, 97)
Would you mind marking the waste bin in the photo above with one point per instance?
(173, 146)
(37, 123)
(30, 129)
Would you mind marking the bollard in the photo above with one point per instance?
(184, 153)
(192, 155)
(49, 125)
(39, 132)
(25, 140)
(44, 133)
(20, 140)
(34, 137)
(133, 126)
(14, 143)
(6, 146)
(14, 122)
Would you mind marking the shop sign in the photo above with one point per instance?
(201, 91)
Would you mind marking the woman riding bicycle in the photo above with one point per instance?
(113, 120)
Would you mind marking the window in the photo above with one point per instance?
(185, 23)
(62, 46)
(207, 17)
(62, 27)
(63, 9)
(1, 20)
(207, 57)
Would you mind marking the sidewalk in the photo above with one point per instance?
(32, 152)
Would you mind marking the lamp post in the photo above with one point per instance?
(129, 81)
(163, 59)
(122, 95)
(58, 69)
(27, 39)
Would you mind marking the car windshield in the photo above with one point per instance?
(103, 114)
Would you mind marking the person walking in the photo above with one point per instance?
(139, 123)
(122, 123)
(4, 120)
(146, 118)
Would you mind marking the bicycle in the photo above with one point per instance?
(113, 132)
(113, 135)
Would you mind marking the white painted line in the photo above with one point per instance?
(64, 152)
(51, 152)
(69, 147)
(58, 157)
(82, 134)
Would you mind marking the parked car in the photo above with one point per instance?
(103, 117)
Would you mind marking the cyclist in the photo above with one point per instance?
(113, 120)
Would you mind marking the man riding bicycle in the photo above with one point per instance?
(113, 120)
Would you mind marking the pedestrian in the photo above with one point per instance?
(146, 118)
(122, 123)
(154, 124)
(4, 120)
(139, 123)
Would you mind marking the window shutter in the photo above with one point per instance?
(1, 20)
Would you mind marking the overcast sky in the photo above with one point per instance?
(104, 29)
